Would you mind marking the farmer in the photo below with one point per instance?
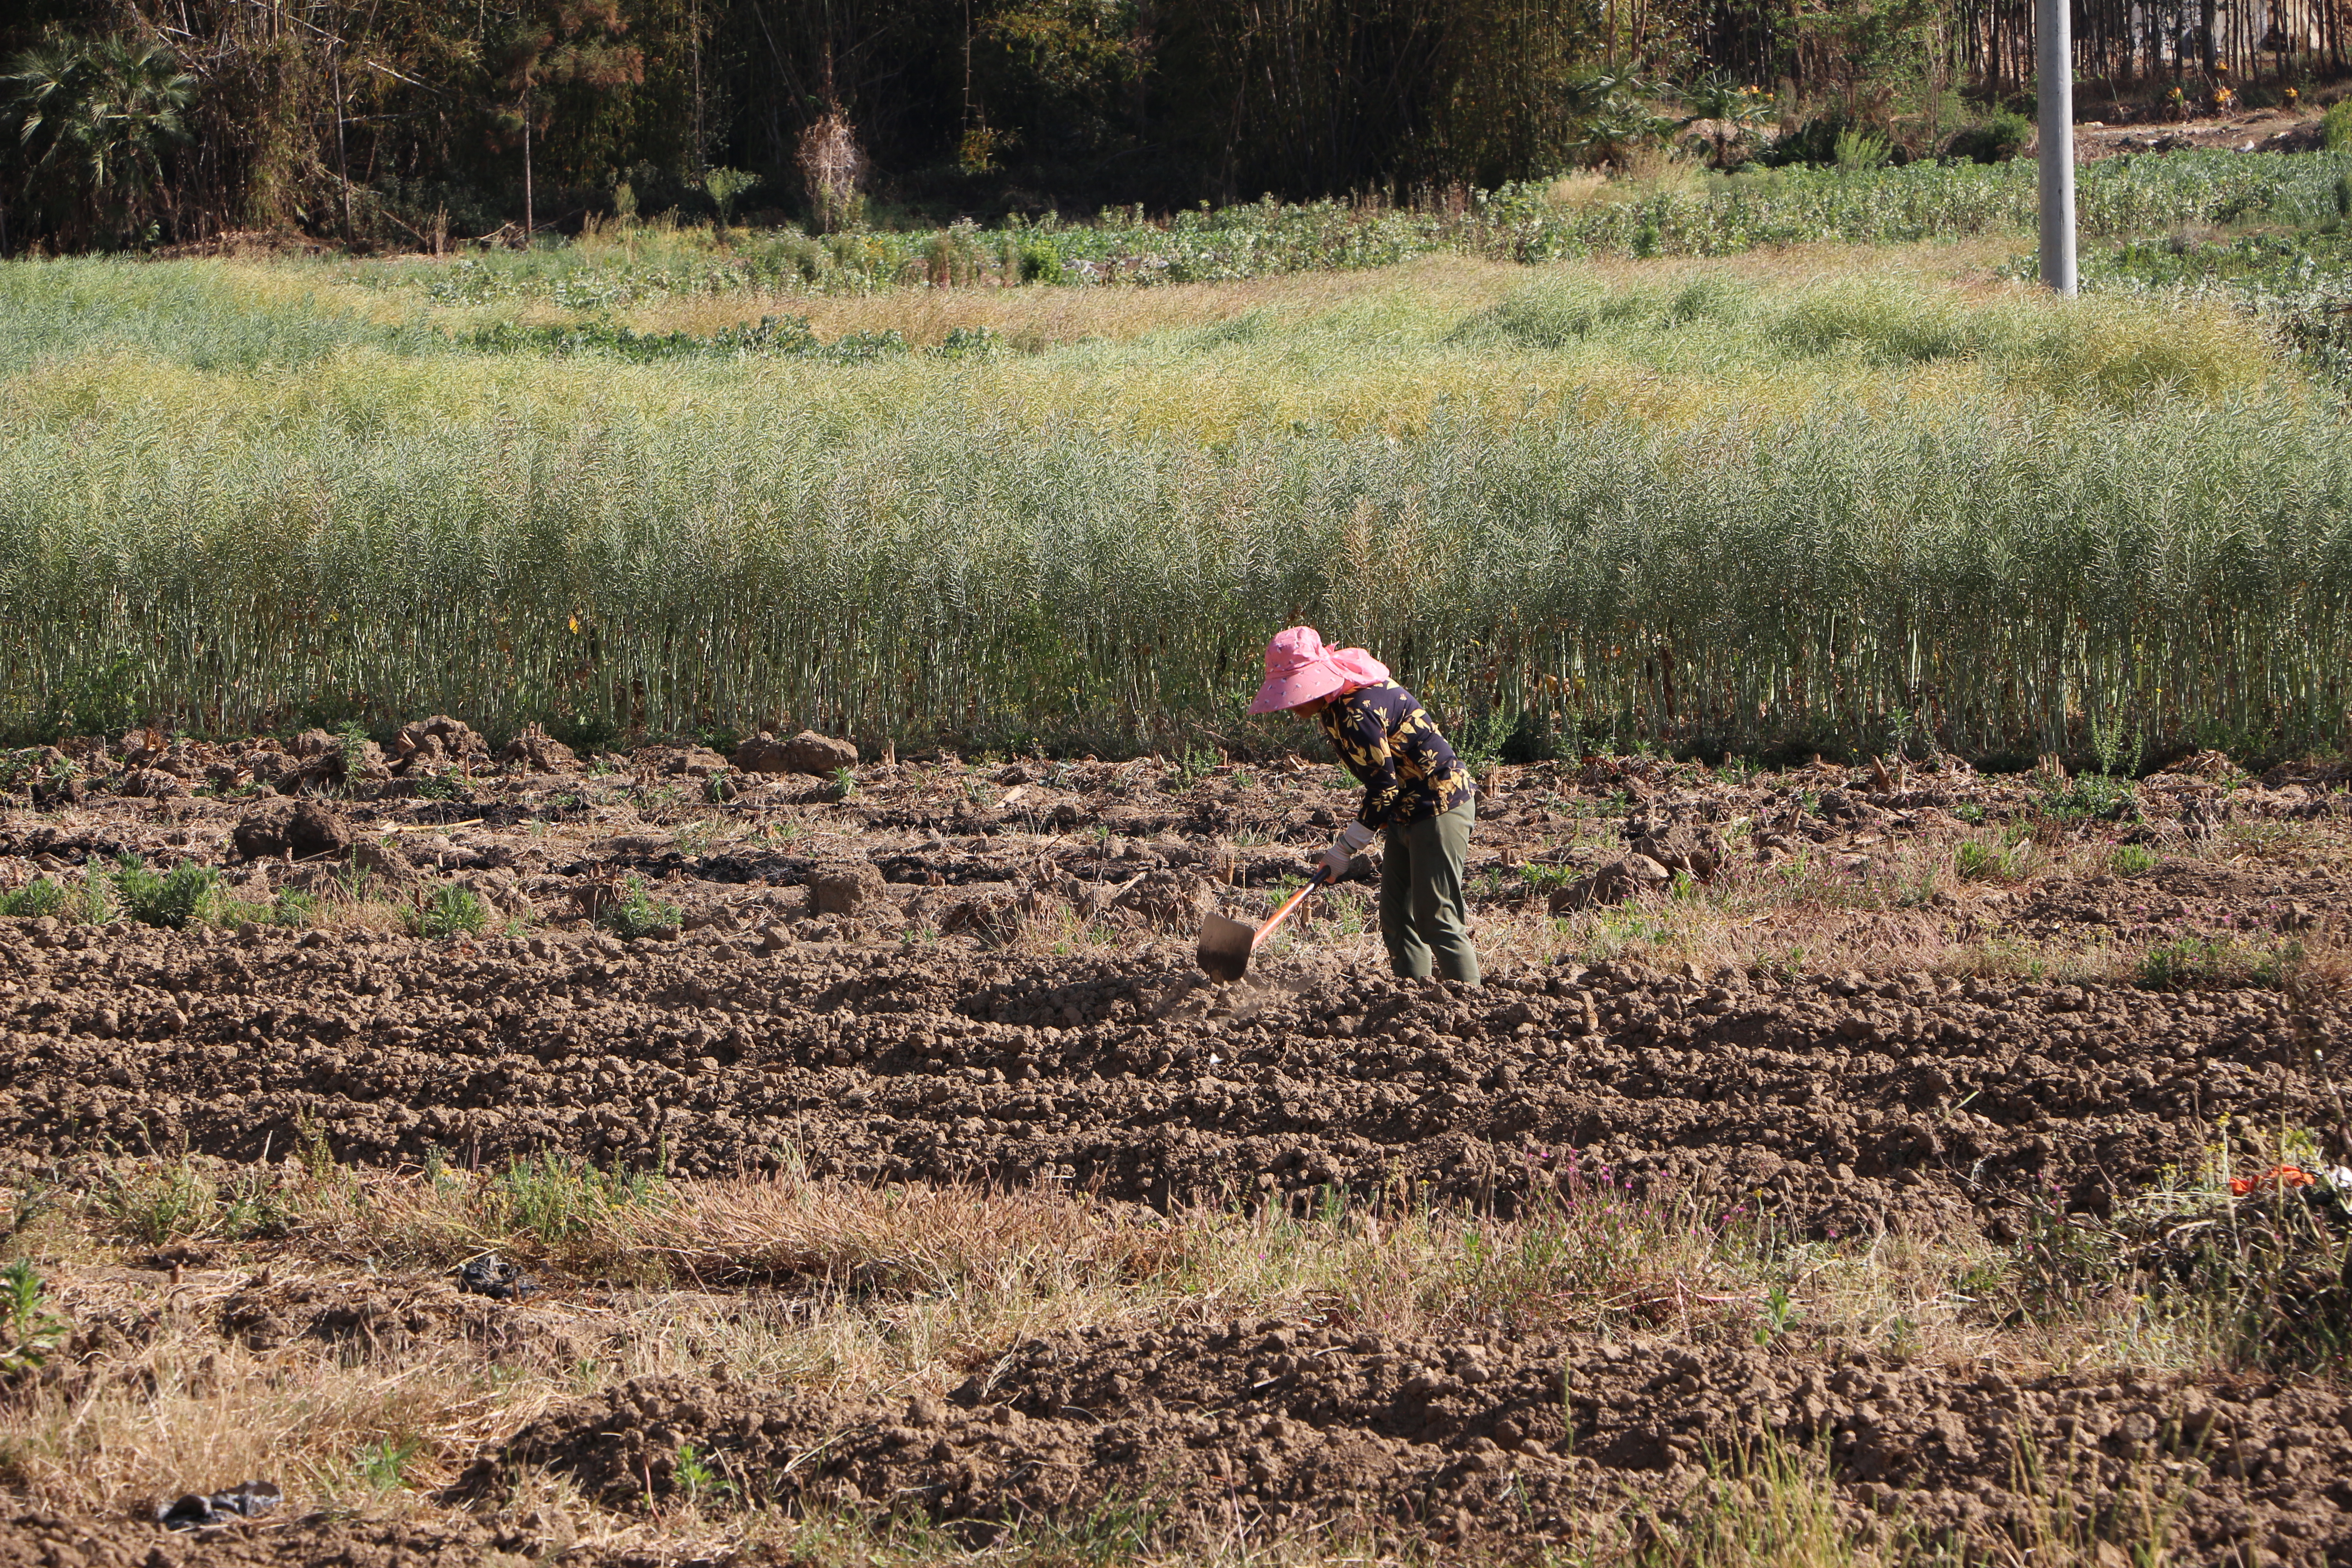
(1417, 794)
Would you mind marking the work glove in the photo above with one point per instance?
(1353, 840)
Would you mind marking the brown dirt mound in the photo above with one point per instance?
(1190, 1431)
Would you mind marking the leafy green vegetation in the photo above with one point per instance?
(786, 338)
(637, 913)
(2090, 796)
(159, 1202)
(130, 889)
(1852, 199)
(183, 896)
(2296, 279)
(557, 1200)
(31, 1333)
(381, 1465)
(35, 900)
(1980, 861)
(449, 910)
(2336, 126)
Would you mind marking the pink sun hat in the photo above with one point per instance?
(1299, 668)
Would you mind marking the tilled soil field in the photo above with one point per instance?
(1835, 1006)
(1508, 1444)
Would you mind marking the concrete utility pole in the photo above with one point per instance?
(2054, 39)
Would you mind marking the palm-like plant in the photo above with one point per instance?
(1724, 115)
(1611, 116)
(93, 120)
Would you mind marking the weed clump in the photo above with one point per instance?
(2086, 797)
(153, 1207)
(452, 910)
(1996, 862)
(1996, 138)
(637, 913)
(175, 900)
(29, 1331)
(2266, 1259)
(37, 899)
(559, 1200)
(187, 895)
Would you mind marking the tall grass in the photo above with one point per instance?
(201, 316)
(2008, 576)
(1688, 505)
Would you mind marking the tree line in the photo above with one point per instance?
(422, 122)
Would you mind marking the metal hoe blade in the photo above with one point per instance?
(1226, 944)
(1226, 948)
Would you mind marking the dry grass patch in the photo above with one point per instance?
(874, 1292)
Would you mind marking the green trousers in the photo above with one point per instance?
(1422, 918)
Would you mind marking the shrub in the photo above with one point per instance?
(1828, 141)
(1041, 263)
(1994, 140)
(2336, 126)
(1858, 149)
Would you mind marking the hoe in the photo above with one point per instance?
(1226, 944)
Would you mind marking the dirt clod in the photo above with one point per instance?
(305, 829)
(1613, 884)
(151, 783)
(430, 745)
(806, 752)
(850, 888)
(538, 752)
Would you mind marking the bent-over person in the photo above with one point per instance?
(1417, 795)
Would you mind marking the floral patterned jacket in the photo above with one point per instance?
(1386, 739)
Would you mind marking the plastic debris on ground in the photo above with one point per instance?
(210, 1510)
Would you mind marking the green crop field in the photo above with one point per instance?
(1589, 468)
